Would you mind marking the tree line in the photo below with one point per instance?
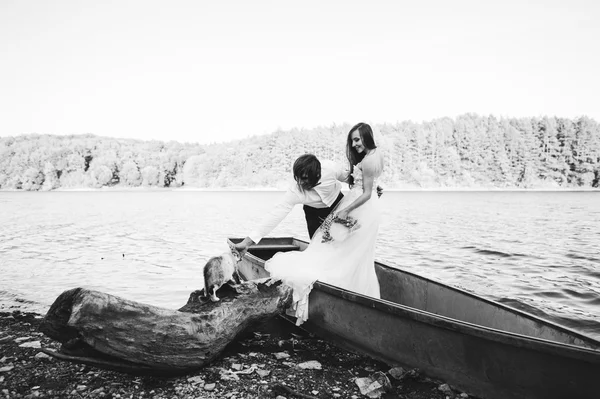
(470, 151)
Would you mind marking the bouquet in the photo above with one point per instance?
(337, 229)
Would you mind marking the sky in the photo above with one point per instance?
(214, 71)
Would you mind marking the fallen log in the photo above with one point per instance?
(110, 332)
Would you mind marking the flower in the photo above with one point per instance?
(349, 223)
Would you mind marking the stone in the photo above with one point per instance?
(369, 387)
(210, 387)
(228, 375)
(310, 365)
(43, 356)
(281, 355)
(31, 344)
(445, 388)
(263, 373)
(195, 380)
(397, 372)
(6, 368)
(382, 379)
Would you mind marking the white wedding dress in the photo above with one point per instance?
(346, 261)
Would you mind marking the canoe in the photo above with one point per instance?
(479, 346)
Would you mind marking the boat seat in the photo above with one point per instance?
(274, 247)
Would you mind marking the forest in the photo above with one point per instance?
(466, 152)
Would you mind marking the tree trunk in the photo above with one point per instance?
(107, 331)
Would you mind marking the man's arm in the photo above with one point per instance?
(277, 214)
(341, 173)
(244, 244)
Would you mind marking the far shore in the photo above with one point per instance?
(282, 189)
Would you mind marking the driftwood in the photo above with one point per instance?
(114, 333)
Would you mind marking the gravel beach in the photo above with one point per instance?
(278, 361)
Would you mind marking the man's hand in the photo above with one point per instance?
(379, 191)
(243, 246)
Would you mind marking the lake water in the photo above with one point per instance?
(538, 251)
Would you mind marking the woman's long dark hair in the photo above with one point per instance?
(366, 136)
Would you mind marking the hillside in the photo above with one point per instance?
(470, 151)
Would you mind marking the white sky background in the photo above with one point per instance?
(218, 70)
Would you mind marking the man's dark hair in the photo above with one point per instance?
(307, 171)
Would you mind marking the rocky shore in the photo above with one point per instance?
(277, 361)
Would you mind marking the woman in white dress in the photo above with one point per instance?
(342, 251)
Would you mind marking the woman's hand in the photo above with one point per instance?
(343, 214)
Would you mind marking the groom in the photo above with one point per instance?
(317, 187)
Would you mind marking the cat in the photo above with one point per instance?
(220, 270)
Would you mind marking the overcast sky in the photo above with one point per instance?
(211, 71)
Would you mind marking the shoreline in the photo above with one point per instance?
(276, 360)
(275, 189)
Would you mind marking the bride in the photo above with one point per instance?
(341, 252)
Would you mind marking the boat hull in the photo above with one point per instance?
(481, 347)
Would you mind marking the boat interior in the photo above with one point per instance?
(410, 290)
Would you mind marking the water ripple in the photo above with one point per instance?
(533, 251)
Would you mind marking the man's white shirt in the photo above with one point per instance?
(321, 196)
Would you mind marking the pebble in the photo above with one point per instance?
(445, 388)
(210, 387)
(281, 355)
(397, 372)
(263, 373)
(5, 339)
(31, 344)
(310, 365)
(195, 380)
